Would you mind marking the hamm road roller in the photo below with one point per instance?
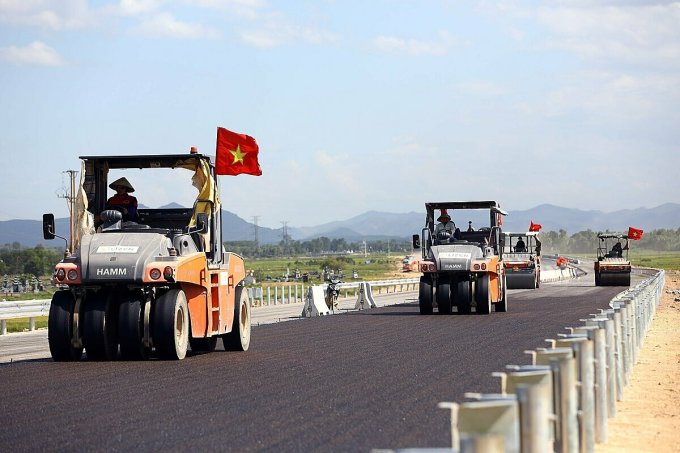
(462, 268)
(155, 284)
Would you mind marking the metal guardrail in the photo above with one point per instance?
(279, 295)
(562, 401)
(30, 309)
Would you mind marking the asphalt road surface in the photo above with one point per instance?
(349, 382)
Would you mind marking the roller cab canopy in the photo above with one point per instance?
(495, 212)
(94, 181)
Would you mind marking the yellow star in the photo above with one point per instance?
(238, 154)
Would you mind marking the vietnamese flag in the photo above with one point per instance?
(535, 226)
(635, 234)
(236, 154)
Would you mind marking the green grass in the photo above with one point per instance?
(21, 324)
(669, 261)
(28, 296)
(372, 267)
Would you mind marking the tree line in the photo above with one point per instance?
(40, 261)
(661, 240)
(317, 246)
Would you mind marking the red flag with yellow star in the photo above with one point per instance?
(236, 154)
(635, 233)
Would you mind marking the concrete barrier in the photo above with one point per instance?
(365, 297)
(315, 303)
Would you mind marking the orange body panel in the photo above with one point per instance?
(494, 269)
(210, 291)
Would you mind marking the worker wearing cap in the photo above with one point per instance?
(122, 201)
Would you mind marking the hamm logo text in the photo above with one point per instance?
(112, 272)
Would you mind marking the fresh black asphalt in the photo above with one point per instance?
(348, 382)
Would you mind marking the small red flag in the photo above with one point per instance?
(535, 226)
(635, 234)
(236, 154)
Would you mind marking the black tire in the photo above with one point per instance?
(100, 327)
(60, 328)
(239, 337)
(203, 344)
(131, 331)
(597, 279)
(171, 325)
(444, 298)
(502, 306)
(425, 296)
(463, 297)
(482, 296)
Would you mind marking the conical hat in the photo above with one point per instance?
(444, 215)
(122, 182)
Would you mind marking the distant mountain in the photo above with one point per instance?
(554, 218)
(385, 225)
(371, 223)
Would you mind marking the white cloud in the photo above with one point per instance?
(135, 7)
(165, 25)
(36, 53)
(65, 14)
(483, 88)
(277, 30)
(438, 47)
(637, 32)
(244, 8)
(631, 34)
(609, 95)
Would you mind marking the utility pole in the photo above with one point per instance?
(257, 242)
(365, 254)
(285, 232)
(70, 197)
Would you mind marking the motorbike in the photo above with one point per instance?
(332, 292)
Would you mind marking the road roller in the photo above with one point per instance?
(522, 260)
(612, 267)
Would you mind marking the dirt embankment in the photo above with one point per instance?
(648, 417)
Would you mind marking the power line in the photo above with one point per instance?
(257, 241)
(70, 197)
(285, 231)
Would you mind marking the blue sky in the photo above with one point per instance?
(357, 106)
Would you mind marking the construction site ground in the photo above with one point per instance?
(648, 417)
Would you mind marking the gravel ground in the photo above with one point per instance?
(648, 417)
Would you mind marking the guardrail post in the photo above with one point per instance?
(3, 327)
(534, 403)
(269, 295)
(598, 337)
(617, 318)
(583, 348)
(489, 443)
(491, 415)
(31, 324)
(607, 323)
(565, 370)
